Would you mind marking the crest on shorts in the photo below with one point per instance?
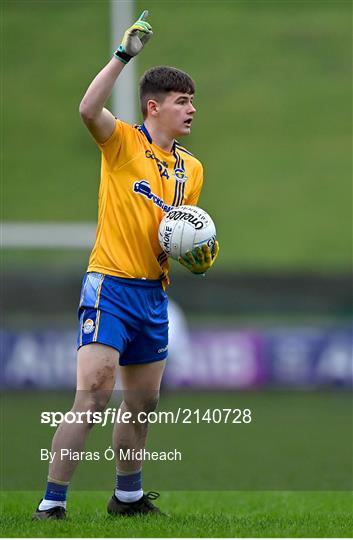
(88, 326)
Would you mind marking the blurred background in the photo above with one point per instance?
(273, 130)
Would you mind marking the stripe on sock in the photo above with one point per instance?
(128, 496)
(47, 505)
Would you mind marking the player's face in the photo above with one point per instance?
(176, 113)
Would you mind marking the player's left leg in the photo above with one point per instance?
(97, 366)
(140, 385)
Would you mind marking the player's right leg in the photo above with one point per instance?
(140, 385)
(96, 372)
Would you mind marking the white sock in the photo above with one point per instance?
(128, 496)
(47, 505)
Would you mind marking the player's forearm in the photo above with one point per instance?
(100, 89)
(93, 102)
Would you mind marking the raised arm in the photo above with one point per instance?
(97, 118)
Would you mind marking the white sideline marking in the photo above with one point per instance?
(47, 235)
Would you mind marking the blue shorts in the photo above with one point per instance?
(130, 315)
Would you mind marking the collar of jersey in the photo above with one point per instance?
(149, 138)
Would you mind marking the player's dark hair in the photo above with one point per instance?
(158, 81)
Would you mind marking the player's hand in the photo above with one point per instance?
(199, 260)
(135, 38)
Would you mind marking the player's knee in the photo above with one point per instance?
(150, 403)
(145, 403)
(91, 401)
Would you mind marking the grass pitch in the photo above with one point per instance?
(297, 441)
(260, 456)
(198, 514)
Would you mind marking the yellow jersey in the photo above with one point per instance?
(140, 182)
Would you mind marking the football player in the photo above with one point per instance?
(123, 321)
